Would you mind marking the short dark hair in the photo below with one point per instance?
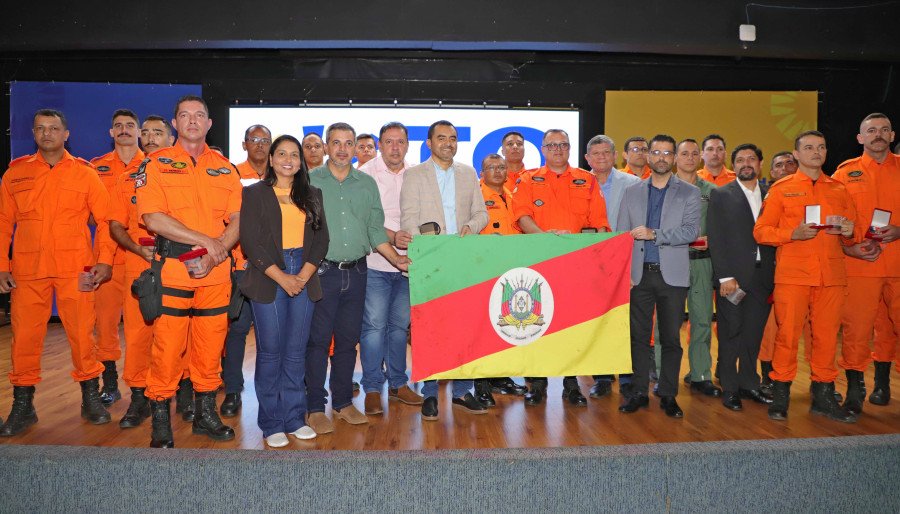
(313, 134)
(53, 113)
(338, 126)
(366, 136)
(251, 128)
(157, 117)
(711, 137)
(190, 98)
(633, 139)
(124, 112)
(804, 134)
(686, 140)
(511, 133)
(490, 156)
(782, 154)
(662, 138)
(746, 146)
(553, 131)
(439, 123)
(393, 125)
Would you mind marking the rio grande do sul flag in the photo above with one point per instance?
(525, 305)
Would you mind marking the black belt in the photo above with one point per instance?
(652, 266)
(190, 312)
(343, 264)
(698, 254)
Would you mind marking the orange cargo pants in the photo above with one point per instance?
(887, 331)
(200, 338)
(869, 299)
(767, 346)
(109, 299)
(30, 307)
(794, 304)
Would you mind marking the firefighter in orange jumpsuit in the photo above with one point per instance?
(190, 197)
(513, 150)
(713, 155)
(636, 151)
(873, 289)
(558, 198)
(47, 198)
(810, 278)
(125, 157)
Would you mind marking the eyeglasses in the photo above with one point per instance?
(557, 146)
(636, 149)
(495, 167)
(258, 140)
(665, 153)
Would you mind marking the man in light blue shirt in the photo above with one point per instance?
(601, 156)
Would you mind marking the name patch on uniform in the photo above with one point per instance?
(790, 195)
(537, 179)
(855, 173)
(579, 181)
(539, 202)
(177, 172)
(179, 165)
(164, 160)
(23, 179)
(102, 168)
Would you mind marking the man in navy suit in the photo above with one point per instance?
(662, 214)
(740, 263)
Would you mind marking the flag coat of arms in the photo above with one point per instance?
(523, 305)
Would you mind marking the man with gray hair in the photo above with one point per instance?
(601, 156)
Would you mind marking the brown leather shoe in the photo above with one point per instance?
(405, 395)
(319, 422)
(350, 415)
(373, 403)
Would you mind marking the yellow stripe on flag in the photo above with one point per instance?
(596, 347)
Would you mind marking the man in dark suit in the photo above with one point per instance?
(663, 215)
(740, 263)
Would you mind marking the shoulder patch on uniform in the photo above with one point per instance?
(855, 173)
(539, 202)
(102, 168)
(579, 181)
(537, 179)
(164, 160)
(179, 165)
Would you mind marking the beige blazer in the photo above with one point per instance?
(420, 199)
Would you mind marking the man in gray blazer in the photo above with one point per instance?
(447, 193)
(663, 215)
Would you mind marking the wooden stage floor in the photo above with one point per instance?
(509, 425)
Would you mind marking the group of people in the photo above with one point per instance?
(312, 253)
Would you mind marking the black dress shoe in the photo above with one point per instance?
(536, 395)
(600, 389)
(732, 401)
(575, 397)
(668, 404)
(483, 392)
(469, 404)
(756, 395)
(706, 387)
(634, 403)
(430, 409)
(231, 405)
(505, 385)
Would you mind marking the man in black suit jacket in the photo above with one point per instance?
(740, 263)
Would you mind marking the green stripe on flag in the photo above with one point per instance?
(466, 261)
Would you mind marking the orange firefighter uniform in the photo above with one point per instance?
(724, 177)
(500, 213)
(810, 277)
(872, 185)
(644, 174)
(567, 201)
(49, 208)
(110, 296)
(202, 195)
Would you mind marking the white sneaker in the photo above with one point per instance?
(277, 440)
(304, 432)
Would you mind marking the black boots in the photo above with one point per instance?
(765, 383)
(856, 392)
(184, 399)
(537, 393)
(92, 408)
(231, 405)
(22, 414)
(161, 433)
(206, 419)
(138, 410)
(881, 393)
(781, 398)
(110, 392)
(824, 404)
(483, 392)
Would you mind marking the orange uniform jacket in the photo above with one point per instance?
(873, 186)
(500, 214)
(644, 174)
(123, 208)
(814, 262)
(202, 195)
(568, 201)
(246, 170)
(724, 177)
(512, 178)
(109, 167)
(49, 208)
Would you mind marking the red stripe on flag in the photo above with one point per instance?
(454, 329)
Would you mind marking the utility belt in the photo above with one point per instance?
(698, 254)
(149, 289)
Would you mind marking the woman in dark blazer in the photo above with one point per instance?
(284, 235)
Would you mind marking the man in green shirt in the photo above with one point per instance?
(355, 226)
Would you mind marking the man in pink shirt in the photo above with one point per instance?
(382, 348)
